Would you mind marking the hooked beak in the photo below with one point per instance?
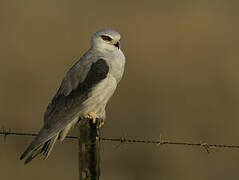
(117, 44)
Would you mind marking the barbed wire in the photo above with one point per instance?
(160, 142)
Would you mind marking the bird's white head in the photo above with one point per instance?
(106, 39)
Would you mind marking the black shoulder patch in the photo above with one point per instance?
(62, 104)
(97, 72)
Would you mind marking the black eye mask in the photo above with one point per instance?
(106, 38)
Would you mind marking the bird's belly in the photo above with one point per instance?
(99, 96)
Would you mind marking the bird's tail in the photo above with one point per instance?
(39, 146)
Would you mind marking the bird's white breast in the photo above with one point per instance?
(99, 96)
(102, 92)
(116, 62)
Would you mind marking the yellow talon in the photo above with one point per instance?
(101, 124)
(92, 116)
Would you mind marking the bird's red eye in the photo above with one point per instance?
(106, 38)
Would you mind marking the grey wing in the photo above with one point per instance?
(74, 77)
(65, 105)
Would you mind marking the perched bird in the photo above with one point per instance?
(83, 93)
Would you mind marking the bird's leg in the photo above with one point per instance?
(94, 118)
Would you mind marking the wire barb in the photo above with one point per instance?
(206, 147)
(5, 133)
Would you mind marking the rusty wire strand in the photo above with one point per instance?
(160, 142)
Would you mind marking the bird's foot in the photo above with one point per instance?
(92, 116)
(95, 119)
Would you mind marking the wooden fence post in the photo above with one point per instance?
(89, 150)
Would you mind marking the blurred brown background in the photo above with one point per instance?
(181, 81)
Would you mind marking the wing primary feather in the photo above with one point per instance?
(46, 150)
